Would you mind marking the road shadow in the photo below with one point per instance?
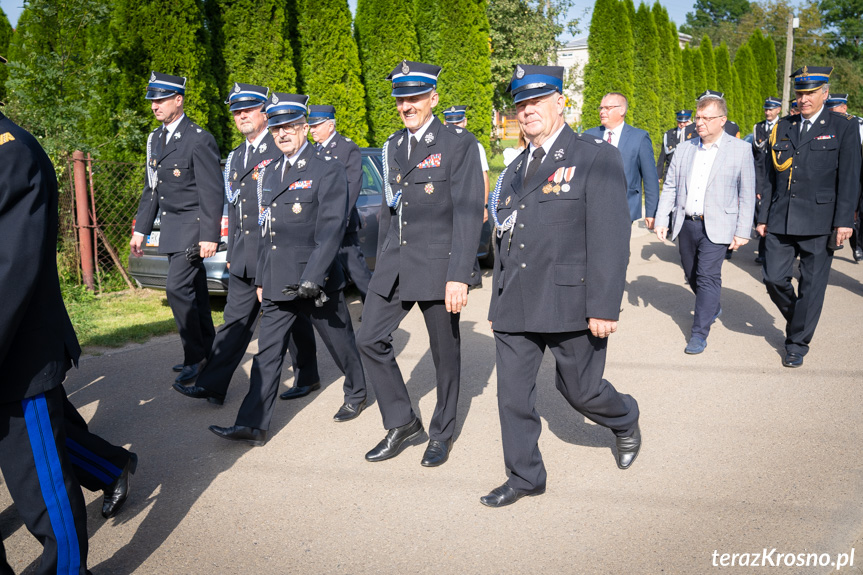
(169, 433)
(741, 313)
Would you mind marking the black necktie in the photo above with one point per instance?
(319, 146)
(806, 125)
(533, 166)
(163, 140)
(249, 152)
(413, 148)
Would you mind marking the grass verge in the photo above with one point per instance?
(115, 319)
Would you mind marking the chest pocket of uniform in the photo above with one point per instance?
(300, 204)
(824, 145)
(432, 184)
(782, 146)
(176, 169)
(559, 209)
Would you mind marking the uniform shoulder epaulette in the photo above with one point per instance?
(455, 129)
(347, 139)
(590, 139)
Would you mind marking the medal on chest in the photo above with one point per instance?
(297, 208)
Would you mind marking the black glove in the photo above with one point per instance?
(291, 290)
(193, 253)
(308, 290)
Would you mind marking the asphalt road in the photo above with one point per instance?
(740, 455)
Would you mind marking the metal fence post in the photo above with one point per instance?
(85, 239)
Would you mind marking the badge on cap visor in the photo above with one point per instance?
(405, 68)
(519, 72)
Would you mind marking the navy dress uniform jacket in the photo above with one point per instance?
(566, 261)
(243, 213)
(190, 194)
(306, 225)
(821, 188)
(37, 341)
(669, 144)
(441, 204)
(346, 151)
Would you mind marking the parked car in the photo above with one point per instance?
(151, 270)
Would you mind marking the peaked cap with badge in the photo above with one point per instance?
(319, 114)
(683, 115)
(530, 81)
(836, 99)
(283, 108)
(164, 85)
(772, 102)
(454, 114)
(413, 78)
(811, 78)
(245, 96)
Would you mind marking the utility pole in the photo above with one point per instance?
(789, 56)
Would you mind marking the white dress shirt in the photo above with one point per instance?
(702, 163)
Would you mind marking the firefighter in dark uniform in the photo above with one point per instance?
(246, 104)
(46, 450)
(429, 231)
(807, 205)
(322, 125)
(685, 130)
(760, 135)
(563, 230)
(304, 198)
(183, 187)
(837, 102)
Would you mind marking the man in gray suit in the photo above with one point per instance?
(637, 153)
(710, 190)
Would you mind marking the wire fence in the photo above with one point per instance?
(98, 202)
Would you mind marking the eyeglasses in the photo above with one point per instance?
(608, 108)
(289, 129)
(707, 118)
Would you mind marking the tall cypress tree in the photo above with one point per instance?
(739, 100)
(724, 80)
(674, 41)
(385, 35)
(54, 72)
(667, 87)
(465, 78)
(169, 36)
(750, 83)
(706, 49)
(647, 79)
(331, 63)
(764, 51)
(250, 38)
(699, 82)
(5, 38)
(610, 48)
(687, 85)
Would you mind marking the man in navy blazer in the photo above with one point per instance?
(637, 153)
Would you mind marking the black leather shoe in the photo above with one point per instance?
(792, 359)
(391, 444)
(298, 391)
(759, 259)
(506, 495)
(196, 392)
(177, 368)
(436, 453)
(251, 435)
(348, 412)
(117, 492)
(628, 448)
(858, 254)
(189, 374)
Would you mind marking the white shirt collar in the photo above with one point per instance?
(328, 140)
(548, 143)
(702, 146)
(172, 127)
(419, 133)
(293, 158)
(814, 118)
(257, 141)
